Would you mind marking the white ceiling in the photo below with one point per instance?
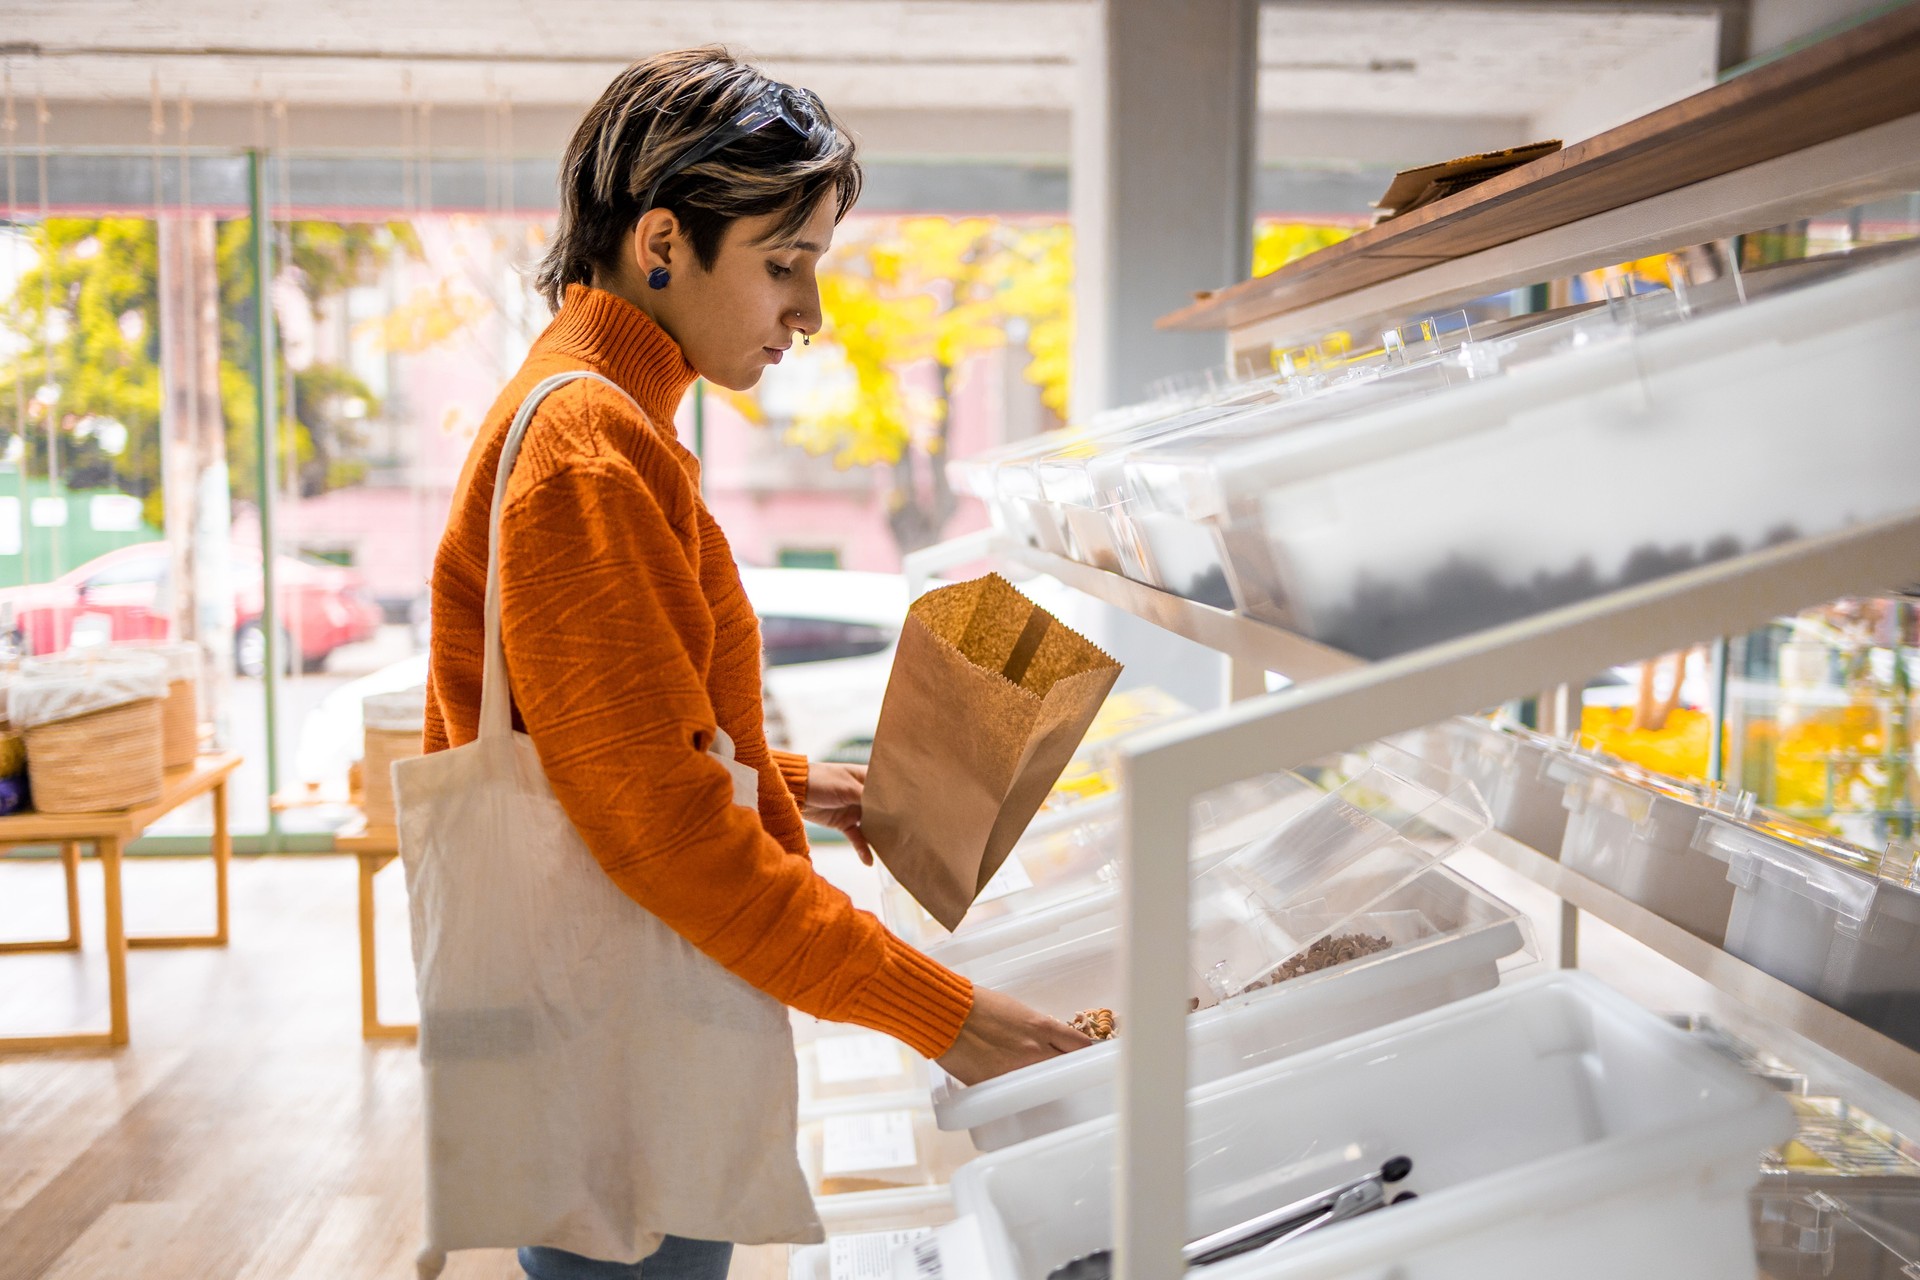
(1442, 60)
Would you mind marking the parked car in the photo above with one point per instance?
(828, 637)
(124, 595)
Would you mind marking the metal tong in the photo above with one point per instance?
(1268, 1230)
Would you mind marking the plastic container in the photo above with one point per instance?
(1575, 474)
(1449, 939)
(860, 1246)
(1072, 870)
(849, 1155)
(1841, 1198)
(843, 1068)
(1510, 766)
(1634, 832)
(1556, 1129)
(1817, 914)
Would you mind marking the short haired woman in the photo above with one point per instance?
(697, 198)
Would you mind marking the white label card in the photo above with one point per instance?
(868, 1056)
(1012, 877)
(868, 1255)
(952, 1252)
(862, 1143)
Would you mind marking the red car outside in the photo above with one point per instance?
(125, 595)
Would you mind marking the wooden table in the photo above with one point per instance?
(110, 833)
(375, 847)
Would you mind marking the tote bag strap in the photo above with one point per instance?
(496, 702)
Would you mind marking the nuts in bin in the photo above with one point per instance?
(1096, 1023)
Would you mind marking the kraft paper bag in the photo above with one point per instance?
(990, 695)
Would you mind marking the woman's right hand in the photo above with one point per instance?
(1002, 1035)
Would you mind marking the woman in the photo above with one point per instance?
(697, 197)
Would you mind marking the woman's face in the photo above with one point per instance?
(735, 320)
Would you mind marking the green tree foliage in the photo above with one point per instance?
(84, 319)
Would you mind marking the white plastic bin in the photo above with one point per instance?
(1510, 766)
(1396, 527)
(1555, 1128)
(850, 1156)
(1842, 1199)
(1633, 831)
(1815, 913)
(1449, 936)
(860, 1245)
(1069, 869)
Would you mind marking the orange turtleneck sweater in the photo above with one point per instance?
(628, 639)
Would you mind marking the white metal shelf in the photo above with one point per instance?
(1760, 992)
(1163, 770)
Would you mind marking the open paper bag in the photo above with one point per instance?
(990, 695)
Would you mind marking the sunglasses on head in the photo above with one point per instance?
(798, 109)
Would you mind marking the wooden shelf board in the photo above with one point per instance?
(1862, 78)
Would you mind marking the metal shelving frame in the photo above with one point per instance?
(1337, 701)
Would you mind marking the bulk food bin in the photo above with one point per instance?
(1821, 915)
(1509, 765)
(1840, 1198)
(860, 1246)
(1574, 474)
(1555, 1128)
(858, 1159)
(1449, 936)
(843, 1068)
(1357, 864)
(1065, 867)
(1633, 831)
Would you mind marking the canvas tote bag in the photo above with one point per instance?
(591, 1081)
(989, 696)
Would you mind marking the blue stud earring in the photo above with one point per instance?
(657, 278)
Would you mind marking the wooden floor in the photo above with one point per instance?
(247, 1131)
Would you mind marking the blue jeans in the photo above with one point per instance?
(677, 1258)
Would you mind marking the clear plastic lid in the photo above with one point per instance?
(77, 683)
(1204, 474)
(1840, 877)
(402, 712)
(1267, 903)
(1640, 795)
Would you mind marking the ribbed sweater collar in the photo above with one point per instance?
(612, 336)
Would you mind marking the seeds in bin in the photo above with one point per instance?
(1324, 954)
(1095, 1023)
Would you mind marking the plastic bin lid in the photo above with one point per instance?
(1842, 878)
(74, 684)
(1837, 1144)
(183, 660)
(1376, 832)
(1635, 792)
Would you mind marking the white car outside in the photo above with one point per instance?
(829, 638)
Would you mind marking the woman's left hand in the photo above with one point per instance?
(834, 792)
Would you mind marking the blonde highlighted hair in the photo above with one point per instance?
(659, 110)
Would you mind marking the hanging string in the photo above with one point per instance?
(283, 202)
(41, 119)
(11, 123)
(406, 143)
(426, 157)
(506, 152)
(489, 140)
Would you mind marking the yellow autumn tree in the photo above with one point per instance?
(908, 302)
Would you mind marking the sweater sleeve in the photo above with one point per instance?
(601, 607)
(794, 771)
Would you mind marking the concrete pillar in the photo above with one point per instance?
(1163, 134)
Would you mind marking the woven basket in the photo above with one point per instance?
(394, 723)
(107, 759)
(180, 724)
(384, 746)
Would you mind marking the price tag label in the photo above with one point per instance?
(1012, 877)
(868, 1255)
(862, 1143)
(867, 1056)
(952, 1252)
